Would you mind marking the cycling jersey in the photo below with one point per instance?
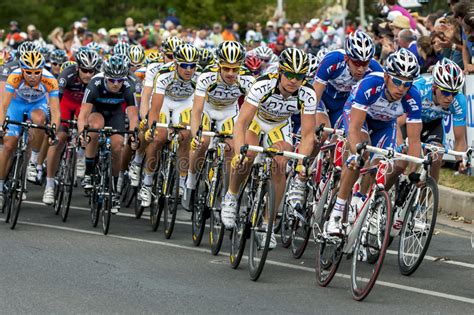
(107, 103)
(369, 95)
(178, 95)
(71, 87)
(431, 111)
(168, 83)
(140, 73)
(150, 73)
(272, 106)
(21, 90)
(7, 69)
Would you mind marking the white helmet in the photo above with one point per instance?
(448, 75)
(359, 46)
(402, 63)
(264, 53)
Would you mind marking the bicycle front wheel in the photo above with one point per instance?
(418, 227)
(199, 208)
(107, 188)
(371, 245)
(287, 218)
(18, 188)
(218, 190)
(96, 201)
(171, 196)
(301, 230)
(260, 234)
(68, 184)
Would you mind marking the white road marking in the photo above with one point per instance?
(270, 262)
(147, 217)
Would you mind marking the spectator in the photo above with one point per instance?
(394, 6)
(13, 37)
(56, 37)
(430, 21)
(132, 35)
(279, 45)
(468, 41)
(235, 30)
(271, 35)
(331, 40)
(68, 40)
(450, 39)
(85, 23)
(399, 23)
(228, 34)
(250, 34)
(201, 39)
(129, 22)
(315, 43)
(102, 39)
(172, 17)
(216, 35)
(426, 53)
(258, 33)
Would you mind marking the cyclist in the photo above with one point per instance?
(442, 95)
(27, 91)
(102, 106)
(254, 65)
(339, 71)
(370, 114)
(145, 102)
(72, 84)
(217, 92)
(268, 58)
(57, 58)
(206, 58)
(266, 112)
(174, 90)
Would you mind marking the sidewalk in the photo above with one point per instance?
(456, 203)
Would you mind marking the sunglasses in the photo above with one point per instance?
(448, 93)
(359, 63)
(230, 69)
(399, 82)
(33, 72)
(55, 64)
(297, 76)
(256, 72)
(265, 60)
(115, 81)
(187, 66)
(169, 56)
(87, 70)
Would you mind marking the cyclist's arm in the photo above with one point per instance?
(247, 113)
(156, 104)
(401, 121)
(6, 99)
(132, 109)
(355, 126)
(145, 101)
(460, 139)
(414, 142)
(86, 109)
(308, 121)
(319, 89)
(196, 116)
(55, 111)
(2, 91)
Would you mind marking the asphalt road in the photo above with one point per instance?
(50, 267)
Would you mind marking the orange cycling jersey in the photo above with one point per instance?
(17, 85)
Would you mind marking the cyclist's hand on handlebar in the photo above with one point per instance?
(238, 160)
(354, 162)
(143, 125)
(148, 136)
(195, 144)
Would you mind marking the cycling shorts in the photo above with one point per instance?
(178, 111)
(114, 119)
(433, 132)
(335, 115)
(271, 132)
(224, 118)
(69, 109)
(18, 107)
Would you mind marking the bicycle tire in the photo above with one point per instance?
(96, 201)
(171, 196)
(263, 200)
(360, 292)
(407, 231)
(67, 192)
(59, 187)
(216, 226)
(199, 208)
(300, 242)
(133, 194)
(328, 252)
(17, 190)
(286, 220)
(106, 212)
(157, 203)
(241, 230)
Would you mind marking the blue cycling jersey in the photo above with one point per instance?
(431, 111)
(369, 95)
(335, 74)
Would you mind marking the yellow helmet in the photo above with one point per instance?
(154, 56)
(186, 53)
(294, 60)
(170, 44)
(67, 64)
(31, 60)
(136, 54)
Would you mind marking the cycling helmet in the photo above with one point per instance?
(31, 60)
(186, 53)
(58, 56)
(294, 60)
(321, 54)
(136, 54)
(253, 63)
(45, 51)
(264, 53)
(313, 65)
(27, 46)
(67, 64)
(402, 63)
(116, 67)
(231, 52)
(93, 46)
(205, 57)
(170, 44)
(359, 46)
(121, 48)
(87, 58)
(154, 56)
(448, 75)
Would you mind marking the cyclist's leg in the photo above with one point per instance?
(95, 121)
(196, 156)
(433, 133)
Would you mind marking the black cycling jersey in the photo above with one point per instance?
(70, 85)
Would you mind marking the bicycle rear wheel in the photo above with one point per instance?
(418, 227)
(372, 242)
(171, 196)
(59, 187)
(68, 184)
(217, 229)
(199, 208)
(260, 235)
(18, 188)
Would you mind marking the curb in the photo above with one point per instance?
(456, 202)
